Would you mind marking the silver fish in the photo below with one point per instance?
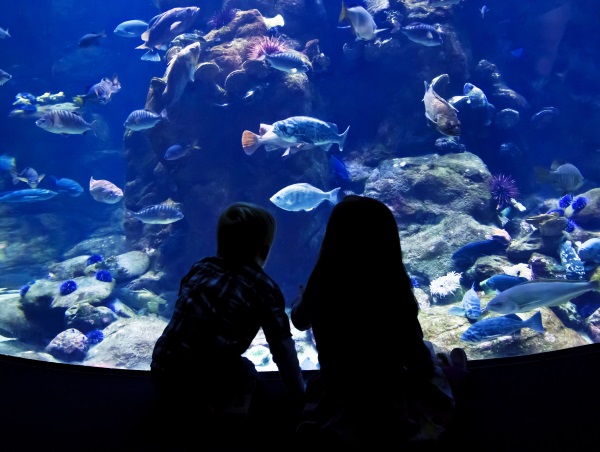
(535, 294)
(4, 77)
(180, 72)
(305, 129)
(303, 196)
(144, 119)
(29, 176)
(101, 92)
(65, 122)
(164, 213)
(4, 33)
(105, 191)
(495, 327)
(27, 195)
(361, 21)
(131, 28)
(424, 34)
(251, 141)
(289, 62)
(563, 176)
(68, 186)
(177, 151)
(440, 115)
(475, 100)
(470, 305)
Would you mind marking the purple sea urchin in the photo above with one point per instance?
(222, 17)
(93, 259)
(565, 201)
(503, 188)
(579, 203)
(68, 287)
(266, 45)
(104, 276)
(571, 225)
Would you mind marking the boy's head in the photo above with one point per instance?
(245, 233)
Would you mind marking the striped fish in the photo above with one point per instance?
(164, 213)
(144, 119)
(65, 122)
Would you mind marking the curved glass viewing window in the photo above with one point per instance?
(477, 127)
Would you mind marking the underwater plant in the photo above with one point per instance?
(104, 276)
(503, 189)
(565, 201)
(266, 45)
(68, 287)
(579, 203)
(95, 336)
(222, 17)
(93, 259)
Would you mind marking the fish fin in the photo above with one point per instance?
(40, 177)
(264, 128)
(271, 147)
(250, 142)
(513, 316)
(429, 35)
(456, 310)
(286, 153)
(535, 322)
(150, 55)
(343, 13)
(541, 174)
(146, 34)
(175, 25)
(333, 195)
(163, 114)
(343, 139)
(325, 147)
(143, 46)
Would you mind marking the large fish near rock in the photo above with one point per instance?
(303, 196)
(440, 115)
(361, 21)
(180, 72)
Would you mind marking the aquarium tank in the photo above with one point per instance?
(127, 128)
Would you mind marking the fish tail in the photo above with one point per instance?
(343, 12)
(333, 195)
(79, 100)
(94, 127)
(343, 139)
(535, 322)
(163, 114)
(541, 174)
(250, 142)
(596, 278)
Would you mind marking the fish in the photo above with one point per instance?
(538, 293)
(131, 28)
(361, 21)
(164, 213)
(294, 133)
(544, 117)
(290, 62)
(27, 195)
(164, 27)
(440, 115)
(105, 191)
(4, 33)
(339, 172)
(476, 101)
(7, 163)
(425, 34)
(590, 250)
(483, 10)
(180, 71)
(101, 92)
(29, 176)
(68, 186)
(144, 119)
(502, 282)
(496, 327)
(506, 118)
(4, 77)
(466, 255)
(65, 122)
(177, 151)
(562, 176)
(303, 196)
(91, 39)
(470, 305)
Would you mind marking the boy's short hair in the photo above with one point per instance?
(245, 231)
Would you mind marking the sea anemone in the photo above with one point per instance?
(503, 188)
(571, 225)
(68, 287)
(23, 290)
(560, 212)
(93, 259)
(103, 275)
(95, 336)
(222, 17)
(579, 203)
(266, 45)
(565, 201)
(445, 285)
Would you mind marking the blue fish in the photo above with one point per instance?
(470, 306)
(502, 282)
(501, 326)
(177, 151)
(7, 163)
(468, 254)
(27, 195)
(341, 176)
(68, 186)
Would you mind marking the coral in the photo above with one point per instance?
(579, 203)
(565, 201)
(95, 336)
(93, 259)
(222, 17)
(23, 290)
(68, 287)
(266, 46)
(103, 275)
(503, 188)
(445, 285)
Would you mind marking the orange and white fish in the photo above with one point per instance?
(105, 191)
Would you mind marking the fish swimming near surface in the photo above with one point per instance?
(424, 34)
(440, 115)
(590, 250)
(67, 186)
(65, 122)
(4, 33)
(164, 213)
(131, 28)
(29, 176)
(27, 195)
(101, 92)
(290, 62)
(91, 39)
(144, 119)
(562, 176)
(303, 196)
(361, 21)
(4, 77)
(495, 327)
(7, 163)
(178, 151)
(180, 71)
(502, 282)
(470, 305)
(295, 133)
(164, 27)
(538, 293)
(105, 191)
